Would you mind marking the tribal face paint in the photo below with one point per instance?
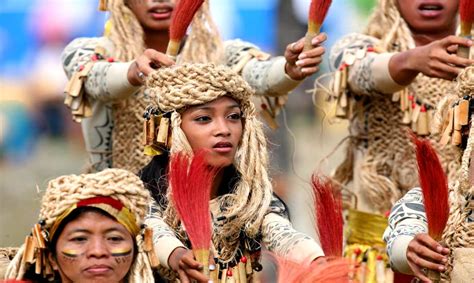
(94, 247)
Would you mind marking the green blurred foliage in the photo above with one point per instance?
(365, 6)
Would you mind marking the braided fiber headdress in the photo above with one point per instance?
(193, 84)
(115, 185)
(127, 35)
(458, 232)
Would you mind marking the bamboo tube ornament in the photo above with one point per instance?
(182, 17)
(318, 10)
(466, 13)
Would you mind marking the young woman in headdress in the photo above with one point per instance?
(107, 73)
(90, 229)
(210, 109)
(409, 246)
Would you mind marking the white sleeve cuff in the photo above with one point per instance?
(399, 254)
(117, 81)
(382, 78)
(279, 83)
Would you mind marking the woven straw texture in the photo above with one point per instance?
(388, 168)
(459, 232)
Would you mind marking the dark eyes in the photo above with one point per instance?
(78, 239)
(115, 239)
(232, 116)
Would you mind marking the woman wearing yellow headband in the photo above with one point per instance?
(89, 230)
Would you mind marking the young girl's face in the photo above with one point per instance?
(429, 16)
(215, 127)
(153, 15)
(93, 248)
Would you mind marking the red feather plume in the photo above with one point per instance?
(466, 10)
(191, 179)
(182, 17)
(318, 10)
(328, 205)
(335, 270)
(434, 185)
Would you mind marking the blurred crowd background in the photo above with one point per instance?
(39, 140)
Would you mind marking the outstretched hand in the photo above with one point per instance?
(437, 59)
(146, 63)
(299, 64)
(425, 253)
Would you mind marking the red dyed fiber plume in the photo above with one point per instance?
(466, 10)
(182, 17)
(335, 270)
(328, 205)
(434, 186)
(191, 179)
(318, 10)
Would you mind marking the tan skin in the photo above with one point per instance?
(299, 65)
(433, 32)
(215, 127)
(93, 248)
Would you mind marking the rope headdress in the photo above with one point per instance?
(118, 192)
(193, 84)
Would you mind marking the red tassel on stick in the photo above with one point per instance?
(466, 13)
(328, 205)
(434, 185)
(190, 179)
(182, 17)
(335, 270)
(318, 10)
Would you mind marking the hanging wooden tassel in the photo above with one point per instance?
(230, 276)
(214, 273)
(463, 115)
(103, 5)
(242, 270)
(39, 261)
(29, 253)
(148, 247)
(267, 116)
(36, 231)
(248, 265)
(380, 269)
(337, 82)
(224, 275)
(150, 130)
(449, 128)
(236, 274)
(162, 135)
(344, 75)
(422, 126)
(456, 139)
(145, 132)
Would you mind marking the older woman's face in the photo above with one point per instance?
(429, 16)
(93, 248)
(215, 127)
